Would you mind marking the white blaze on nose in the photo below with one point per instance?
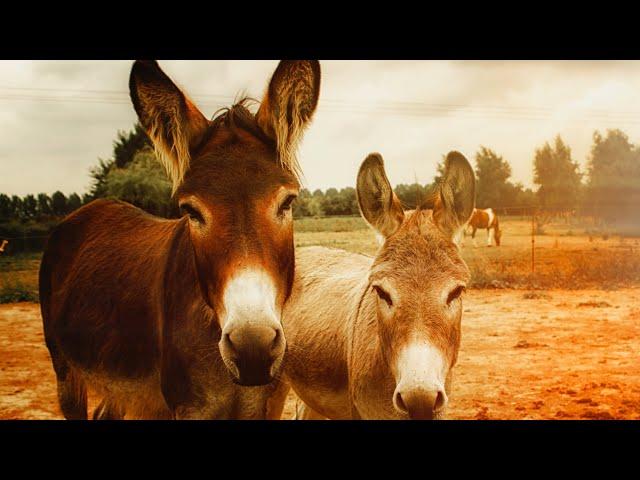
(250, 295)
(421, 365)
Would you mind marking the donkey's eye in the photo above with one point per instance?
(383, 295)
(286, 205)
(194, 214)
(455, 294)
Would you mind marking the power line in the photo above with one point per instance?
(340, 106)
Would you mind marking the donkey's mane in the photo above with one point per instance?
(234, 117)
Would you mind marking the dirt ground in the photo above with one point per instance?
(556, 354)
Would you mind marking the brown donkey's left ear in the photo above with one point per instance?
(172, 121)
(456, 196)
(288, 105)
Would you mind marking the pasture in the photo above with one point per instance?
(558, 343)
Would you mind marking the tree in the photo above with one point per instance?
(73, 203)
(44, 205)
(411, 195)
(557, 175)
(125, 148)
(6, 209)
(29, 207)
(613, 186)
(143, 183)
(492, 174)
(59, 204)
(440, 170)
(16, 207)
(128, 144)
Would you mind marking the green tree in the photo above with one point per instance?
(44, 205)
(29, 207)
(613, 186)
(492, 174)
(128, 144)
(143, 183)
(125, 148)
(16, 207)
(59, 204)
(6, 210)
(73, 203)
(557, 175)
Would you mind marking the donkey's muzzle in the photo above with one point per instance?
(255, 351)
(420, 403)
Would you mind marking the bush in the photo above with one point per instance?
(13, 291)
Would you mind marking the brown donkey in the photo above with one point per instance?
(376, 338)
(173, 318)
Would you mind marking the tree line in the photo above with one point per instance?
(609, 188)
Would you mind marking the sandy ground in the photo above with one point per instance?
(560, 355)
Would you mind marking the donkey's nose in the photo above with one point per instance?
(420, 403)
(254, 349)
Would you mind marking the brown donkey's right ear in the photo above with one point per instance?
(378, 203)
(288, 105)
(172, 121)
(456, 197)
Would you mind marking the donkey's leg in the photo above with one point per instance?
(72, 393)
(275, 403)
(305, 412)
(473, 237)
(108, 410)
(488, 237)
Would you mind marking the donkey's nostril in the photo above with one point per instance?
(441, 401)
(277, 340)
(399, 403)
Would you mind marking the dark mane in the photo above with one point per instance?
(236, 116)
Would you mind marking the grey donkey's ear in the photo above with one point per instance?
(378, 203)
(288, 106)
(455, 198)
(172, 121)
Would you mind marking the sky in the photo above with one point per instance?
(58, 117)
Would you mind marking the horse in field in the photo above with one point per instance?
(485, 218)
(377, 338)
(176, 318)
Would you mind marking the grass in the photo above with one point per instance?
(565, 256)
(19, 277)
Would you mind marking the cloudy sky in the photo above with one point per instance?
(58, 117)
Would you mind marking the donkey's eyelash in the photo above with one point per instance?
(187, 208)
(286, 205)
(383, 295)
(455, 293)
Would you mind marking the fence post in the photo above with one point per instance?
(533, 243)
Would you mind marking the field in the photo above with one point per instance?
(560, 343)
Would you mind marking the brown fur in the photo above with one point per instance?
(131, 303)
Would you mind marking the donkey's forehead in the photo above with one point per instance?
(237, 170)
(422, 249)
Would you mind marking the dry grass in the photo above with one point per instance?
(567, 256)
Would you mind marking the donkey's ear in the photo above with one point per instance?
(378, 204)
(288, 105)
(172, 121)
(455, 198)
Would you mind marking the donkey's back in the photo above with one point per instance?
(112, 332)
